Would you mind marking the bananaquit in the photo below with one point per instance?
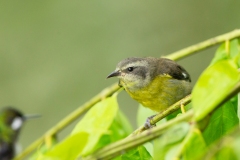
(156, 83)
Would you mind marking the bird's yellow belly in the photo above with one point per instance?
(152, 101)
(161, 93)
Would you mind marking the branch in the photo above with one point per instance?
(122, 146)
(163, 114)
(112, 89)
(231, 94)
(69, 119)
(203, 45)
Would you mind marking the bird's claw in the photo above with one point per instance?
(148, 124)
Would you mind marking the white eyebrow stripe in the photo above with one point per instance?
(135, 64)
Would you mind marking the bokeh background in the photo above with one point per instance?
(55, 55)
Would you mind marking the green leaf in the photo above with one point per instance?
(122, 124)
(225, 148)
(42, 149)
(140, 153)
(97, 122)
(226, 152)
(68, 149)
(238, 105)
(165, 147)
(149, 147)
(234, 48)
(237, 59)
(173, 152)
(233, 51)
(193, 145)
(222, 121)
(221, 54)
(103, 124)
(234, 101)
(213, 86)
(236, 145)
(120, 128)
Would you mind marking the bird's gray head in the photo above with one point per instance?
(134, 73)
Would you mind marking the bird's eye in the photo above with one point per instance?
(130, 69)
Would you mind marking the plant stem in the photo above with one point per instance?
(69, 119)
(128, 143)
(112, 89)
(203, 45)
(163, 114)
(122, 146)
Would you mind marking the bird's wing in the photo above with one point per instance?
(173, 69)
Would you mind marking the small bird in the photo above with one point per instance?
(156, 83)
(11, 122)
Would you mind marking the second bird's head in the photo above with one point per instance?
(12, 120)
(134, 73)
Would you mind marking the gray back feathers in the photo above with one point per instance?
(154, 67)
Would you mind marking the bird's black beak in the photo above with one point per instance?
(114, 74)
(31, 116)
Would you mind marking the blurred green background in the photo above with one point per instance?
(55, 55)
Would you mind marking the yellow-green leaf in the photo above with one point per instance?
(222, 121)
(166, 146)
(68, 149)
(193, 145)
(138, 153)
(213, 86)
(97, 122)
(230, 51)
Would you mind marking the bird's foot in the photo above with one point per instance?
(148, 124)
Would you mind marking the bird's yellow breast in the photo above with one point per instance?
(161, 92)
